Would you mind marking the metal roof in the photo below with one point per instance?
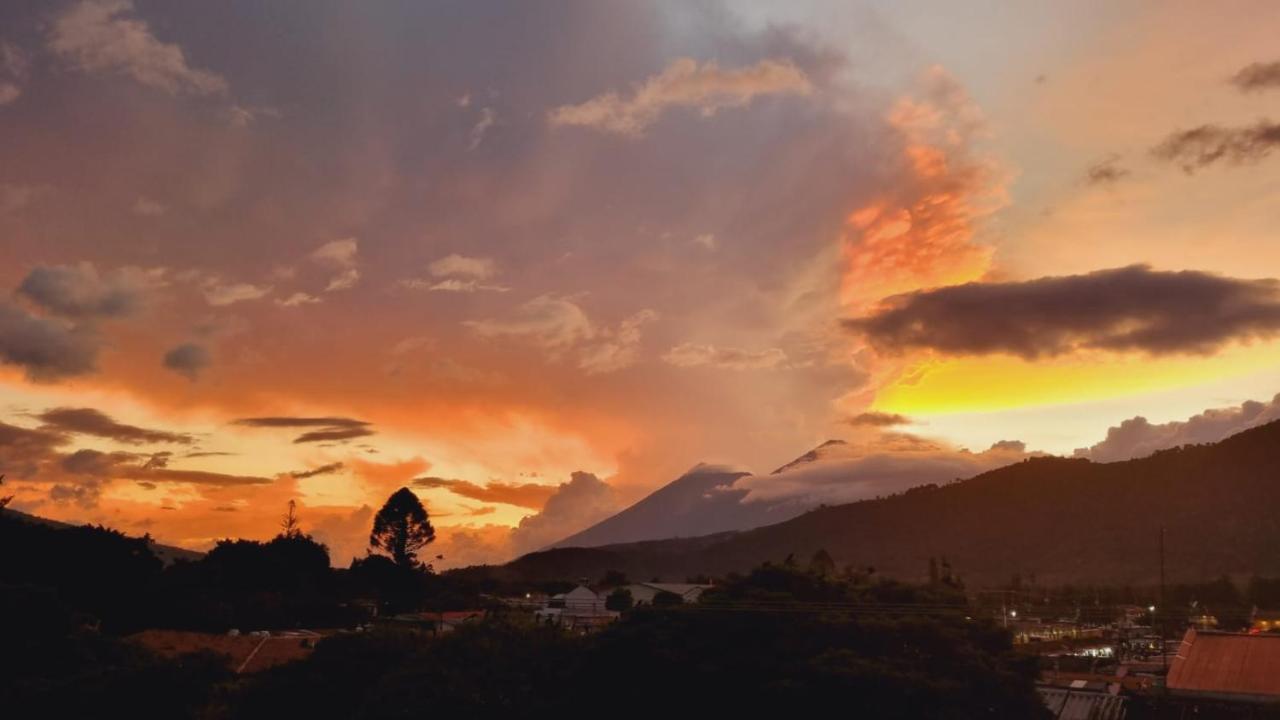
(1066, 704)
(1227, 664)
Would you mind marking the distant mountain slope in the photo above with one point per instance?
(703, 501)
(1063, 520)
(812, 456)
(166, 553)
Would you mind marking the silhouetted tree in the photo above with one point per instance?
(289, 526)
(821, 564)
(619, 600)
(401, 528)
(5, 500)
(398, 588)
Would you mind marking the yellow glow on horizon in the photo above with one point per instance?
(1005, 383)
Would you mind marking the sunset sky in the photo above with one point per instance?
(536, 259)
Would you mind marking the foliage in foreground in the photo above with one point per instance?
(736, 658)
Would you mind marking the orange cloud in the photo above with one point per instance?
(923, 235)
(389, 474)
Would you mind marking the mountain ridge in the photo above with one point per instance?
(702, 501)
(1059, 519)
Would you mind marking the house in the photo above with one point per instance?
(1235, 667)
(644, 593)
(580, 608)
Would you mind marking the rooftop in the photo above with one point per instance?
(1227, 664)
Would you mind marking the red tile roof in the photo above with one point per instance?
(1214, 663)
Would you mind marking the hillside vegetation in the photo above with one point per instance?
(1055, 519)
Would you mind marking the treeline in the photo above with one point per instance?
(764, 643)
(1229, 602)
(782, 637)
(70, 596)
(115, 583)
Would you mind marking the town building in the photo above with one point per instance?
(1223, 666)
(580, 609)
(644, 593)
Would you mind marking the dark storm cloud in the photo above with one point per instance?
(62, 341)
(131, 466)
(322, 470)
(37, 455)
(527, 495)
(96, 462)
(81, 292)
(88, 421)
(188, 360)
(84, 494)
(1205, 145)
(878, 419)
(24, 450)
(45, 348)
(1133, 308)
(324, 428)
(1258, 76)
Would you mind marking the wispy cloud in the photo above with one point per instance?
(1206, 145)
(105, 36)
(328, 469)
(14, 68)
(339, 255)
(694, 355)
(90, 421)
(1106, 171)
(1258, 76)
(220, 293)
(463, 266)
(705, 87)
(318, 429)
(458, 273)
(878, 419)
(488, 118)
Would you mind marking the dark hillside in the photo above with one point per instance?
(1061, 520)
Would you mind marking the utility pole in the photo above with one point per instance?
(1163, 613)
